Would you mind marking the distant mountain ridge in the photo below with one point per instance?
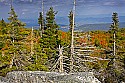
(89, 20)
(100, 26)
(82, 23)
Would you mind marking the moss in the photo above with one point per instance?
(36, 67)
(3, 72)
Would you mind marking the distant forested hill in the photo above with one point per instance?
(101, 26)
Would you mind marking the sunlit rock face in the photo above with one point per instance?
(48, 77)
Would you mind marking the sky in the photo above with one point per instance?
(29, 9)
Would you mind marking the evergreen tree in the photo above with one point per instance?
(50, 20)
(70, 20)
(15, 26)
(114, 31)
(41, 22)
(13, 18)
(113, 74)
(40, 19)
(49, 40)
(110, 70)
(52, 28)
(70, 27)
(115, 23)
(3, 25)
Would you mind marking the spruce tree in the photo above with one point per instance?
(49, 40)
(111, 74)
(70, 21)
(13, 18)
(15, 25)
(115, 23)
(115, 69)
(114, 31)
(3, 25)
(70, 25)
(41, 22)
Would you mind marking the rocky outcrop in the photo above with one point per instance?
(48, 77)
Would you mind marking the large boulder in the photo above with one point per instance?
(48, 77)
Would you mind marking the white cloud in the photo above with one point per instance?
(24, 10)
(23, 13)
(2, 0)
(31, 0)
(22, 0)
(109, 3)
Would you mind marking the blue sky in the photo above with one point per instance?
(29, 9)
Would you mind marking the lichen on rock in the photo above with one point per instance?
(48, 77)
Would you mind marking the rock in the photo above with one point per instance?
(3, 80)
(48, 77)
